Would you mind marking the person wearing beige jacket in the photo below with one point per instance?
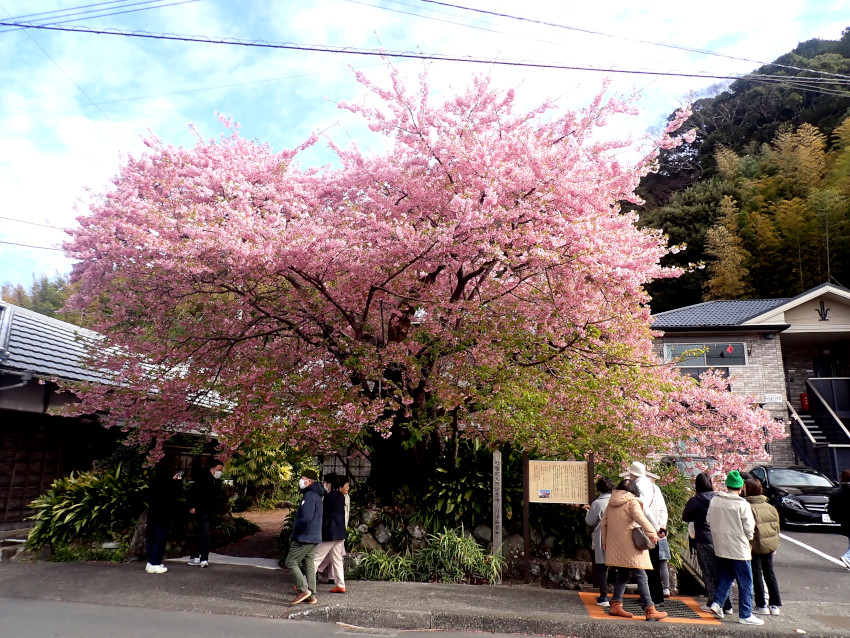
(732, 525)
(624, 512)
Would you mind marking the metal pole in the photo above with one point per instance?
(591, 474)
(526, 534)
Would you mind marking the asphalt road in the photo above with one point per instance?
(809, 569)
(53, 619)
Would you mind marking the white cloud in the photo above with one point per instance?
(55, 144)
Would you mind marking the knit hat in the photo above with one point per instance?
(310, 474)
(734, 480)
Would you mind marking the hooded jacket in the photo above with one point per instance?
(624, 512)
(594, 519)
(654, 506)
(732, 524)
(307, 527)
(766, 540)
(696, 509)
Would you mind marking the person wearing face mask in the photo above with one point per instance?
(306, 535)
(204, 501)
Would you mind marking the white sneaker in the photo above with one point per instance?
(846, 560)
(774, 610)
(156, 569)
(764, 611)
(205, 563)
(706, 608)
(666, 593)
(716, 609)
(194, 561)
(750, 620)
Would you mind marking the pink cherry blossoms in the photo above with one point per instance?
(478, 279)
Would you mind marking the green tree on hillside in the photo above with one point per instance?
(46, 296)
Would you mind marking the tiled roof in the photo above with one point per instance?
(46, 347)
(715, 313)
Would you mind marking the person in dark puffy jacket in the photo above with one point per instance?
(839, 510)
(764, 544)
(695, 512)
(306, 535)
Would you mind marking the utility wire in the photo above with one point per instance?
(70, 79)
(679, 47)
(386, 54)
(12, 243)
(21, 221)
(110, 13)
(72, 11)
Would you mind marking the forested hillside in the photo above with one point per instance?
(762, 196)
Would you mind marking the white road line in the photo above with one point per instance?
(813, 550)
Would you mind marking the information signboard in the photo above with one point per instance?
(558, 482)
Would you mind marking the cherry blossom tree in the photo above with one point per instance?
(479, 279)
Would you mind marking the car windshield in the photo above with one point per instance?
(797, 478)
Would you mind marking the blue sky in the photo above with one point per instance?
(73, 103)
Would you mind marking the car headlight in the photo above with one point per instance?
(791, 503)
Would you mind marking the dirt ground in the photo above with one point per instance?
(261, 544)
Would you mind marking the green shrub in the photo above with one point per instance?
(261, 471)
(378, 565)
(75, 552)
(450, 557)
(284, 539)
(91, 506)
(676, 494)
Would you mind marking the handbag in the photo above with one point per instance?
(641, 540)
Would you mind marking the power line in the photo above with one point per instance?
(76, 10)
(21, 221)
(12, 243)
(110, 12)
(70, 79)
(679, 47)
(389, 54)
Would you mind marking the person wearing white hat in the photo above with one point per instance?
(655, 509)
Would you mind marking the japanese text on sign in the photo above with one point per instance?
(558, 482)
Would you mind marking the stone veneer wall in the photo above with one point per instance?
(763, 377)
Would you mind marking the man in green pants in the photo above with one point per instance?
(306, 534)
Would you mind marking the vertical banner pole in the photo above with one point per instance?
(497, 502)
(526, 534)
(591, 483)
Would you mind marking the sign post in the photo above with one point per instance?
(497, 502)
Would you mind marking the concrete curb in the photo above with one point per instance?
(510, 624)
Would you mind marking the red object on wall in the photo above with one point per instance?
(804, 400)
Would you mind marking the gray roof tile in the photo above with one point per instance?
(715, 313)
(46, 347)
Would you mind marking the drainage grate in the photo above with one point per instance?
(674, 608)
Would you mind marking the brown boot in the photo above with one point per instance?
(653, 614)
(616, 609)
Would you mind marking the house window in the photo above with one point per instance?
(707, 355)
(697, 358)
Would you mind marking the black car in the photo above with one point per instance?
(800, 494)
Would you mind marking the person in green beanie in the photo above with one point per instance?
(732, 525)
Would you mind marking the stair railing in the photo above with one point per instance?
(834, 424)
